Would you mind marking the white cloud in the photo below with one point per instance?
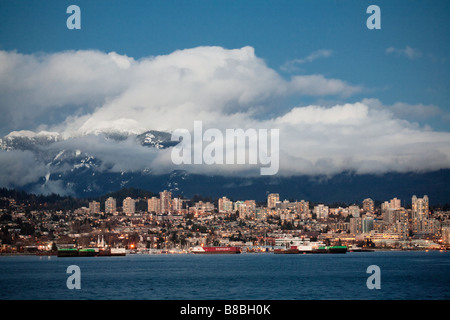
(364, 137)
(420, 113)
(94, 91)
(98, 92)
(318, 85)
(19, 168)
(408, 52)
(293, 65)
(46, 85)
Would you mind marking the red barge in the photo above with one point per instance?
(216, 250)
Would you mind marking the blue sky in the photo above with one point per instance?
(280, 31)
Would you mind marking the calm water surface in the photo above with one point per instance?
(404, 275)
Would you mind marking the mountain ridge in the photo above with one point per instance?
(69, 169)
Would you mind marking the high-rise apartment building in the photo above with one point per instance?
(354, 211)
(237, 205)
(426, 225)
(368, 205)
(166, 201)
(128, 206)
(272, 200)
(355, 225)
(251, 205)
(321, 211)
(420, 207)
(94, 207)
(177, 204)
(154, 205)
(110, 205)
(366, 224)
(446, 235)
(393, 216)
(302, 207)
(395, 204)
(225, 205)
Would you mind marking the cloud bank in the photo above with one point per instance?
(80, 94)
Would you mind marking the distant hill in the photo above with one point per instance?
(345, 188)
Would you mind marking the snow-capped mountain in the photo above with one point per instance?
(28, 140)
(73, 166)
(69, 165)
(156, 139)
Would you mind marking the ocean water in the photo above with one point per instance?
(263, 276)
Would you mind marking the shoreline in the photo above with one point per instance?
(49, 254)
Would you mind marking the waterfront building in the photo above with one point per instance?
(386, 238)
(366, 224)
(446, 235)
(355, 225)
(426, 225)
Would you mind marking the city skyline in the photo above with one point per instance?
(388, 224)
(166, 204)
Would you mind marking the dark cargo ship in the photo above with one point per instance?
(68, 252)
(330, 249)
